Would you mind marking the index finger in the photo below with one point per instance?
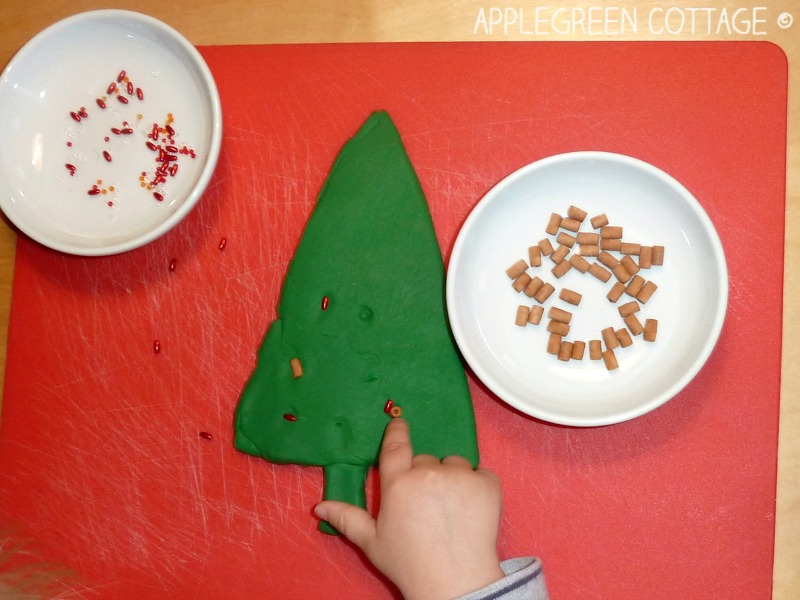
(396, 452)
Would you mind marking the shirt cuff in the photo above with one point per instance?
(524, 579)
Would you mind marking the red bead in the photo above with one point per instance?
(290, 417)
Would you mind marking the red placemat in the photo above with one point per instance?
(101, 461)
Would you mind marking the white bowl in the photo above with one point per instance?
(690, 302)
(70, 65)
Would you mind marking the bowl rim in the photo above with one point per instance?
(612, 417)
(204, 178)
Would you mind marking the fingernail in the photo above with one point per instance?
(321, 512)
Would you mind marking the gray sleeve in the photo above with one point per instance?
(524, 580)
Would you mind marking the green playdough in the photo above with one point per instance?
(362, 309)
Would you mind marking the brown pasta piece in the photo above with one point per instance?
(610, 244)
(553, 224)
(635, 285)
(621, 273)
(630, 265)
(580, 263)
(535, 256)
(544, 293)
(645, 257)
(517, 269)
(570, 224)
(609, 338)
(598, 271)
(629, 308)
(608, 259)
(599, 221)
(523, 312)
(613, 232)
(634, 324)
(558, 327)
(561, 269)
(630, 248)
(565, 351)
(559, 314)
(520, 282)
(623, 337)
(650, 330)
(565, 239)
(554, 343)
(588, 238)
(533, 286)
(573, 212)
(559, 254)
(616, 291)
(297, 368)
(610, 359)
(535, 314)
(569, 296)
(647, 292)
(545, 246)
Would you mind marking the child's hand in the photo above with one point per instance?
(436, 531)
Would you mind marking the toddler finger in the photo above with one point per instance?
(396, 452)
(356, 524)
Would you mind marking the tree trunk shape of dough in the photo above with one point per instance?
(361, 320)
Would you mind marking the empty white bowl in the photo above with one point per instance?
(689, 304)
(81, 178)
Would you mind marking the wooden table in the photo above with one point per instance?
(210, 22)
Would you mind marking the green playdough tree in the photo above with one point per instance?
(362, 315)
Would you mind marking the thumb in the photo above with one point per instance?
(355, 523)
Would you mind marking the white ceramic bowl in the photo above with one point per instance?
(50, 160)
(690, 303)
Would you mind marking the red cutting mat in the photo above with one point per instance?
(100, 458)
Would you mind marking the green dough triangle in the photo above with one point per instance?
(370, 250)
